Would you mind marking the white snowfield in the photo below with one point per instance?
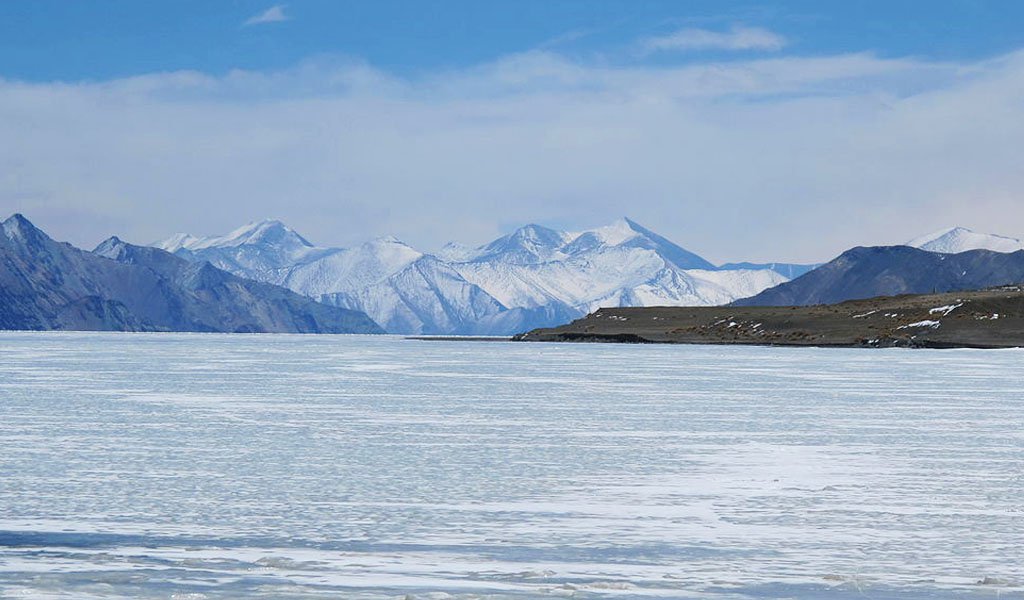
(530, 278)
(959, 239)
(205, 466)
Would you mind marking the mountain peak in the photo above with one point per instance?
(17, 218)
(265, 231)
(529, 243)
(111, 247)
(177, 242)
(17, 221)
(538, 235)
(18, 228)
(455, 252)
(618, 231)
(954, 240)
(626, 233)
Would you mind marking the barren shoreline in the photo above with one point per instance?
(991, 318)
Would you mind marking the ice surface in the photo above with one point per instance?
(216, 466)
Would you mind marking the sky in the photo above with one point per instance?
(770, 131)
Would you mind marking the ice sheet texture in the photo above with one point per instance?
(275, 466)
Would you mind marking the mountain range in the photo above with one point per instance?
(266, 277)
(532, 277)
(46, 285)
(862, 273)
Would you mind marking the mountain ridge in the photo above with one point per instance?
(867, 272)
(518, 281)
(45, 284)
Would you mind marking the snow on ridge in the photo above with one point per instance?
(926, 323)
(617, 232)
(532, 277)
(254, 232)
(954, 240)
(177, 242)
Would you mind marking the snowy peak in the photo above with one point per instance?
(456, 252)
(178, 241)
(257, 233)
(524, 279)
(112, 247)
(528, 244)
(534, 244)
(607, 236)
(19, 234)
(263, 246)
(680, 257)
(19, 229)
(617, 233)
(959, 239)
(390, 252)
(626, 233)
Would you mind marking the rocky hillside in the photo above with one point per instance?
(892, 270)
(992, 318)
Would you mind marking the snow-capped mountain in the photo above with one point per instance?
(622, 264)
(45, 285)
(958, 239)
(263, 247)
(532, 277)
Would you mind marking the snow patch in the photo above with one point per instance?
(945, 310)
(925, 323)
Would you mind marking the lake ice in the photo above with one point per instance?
(277, 466)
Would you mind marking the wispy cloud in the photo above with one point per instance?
(274, 14)
(780, 158)
(565, 38)
(737, 38)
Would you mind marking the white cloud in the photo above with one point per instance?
(738, 38)
(274, 14)
(787, 158)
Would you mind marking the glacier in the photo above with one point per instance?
(532, 277)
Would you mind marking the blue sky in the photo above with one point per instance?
(769, 131)
(101, 39)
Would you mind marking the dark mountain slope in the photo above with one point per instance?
(890, 271)
(46, 284)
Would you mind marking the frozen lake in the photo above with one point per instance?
(214, 466)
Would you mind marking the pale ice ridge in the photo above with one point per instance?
(214, 466)
(959, 239)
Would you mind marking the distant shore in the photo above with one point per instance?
(459, 338)
(991, 318)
